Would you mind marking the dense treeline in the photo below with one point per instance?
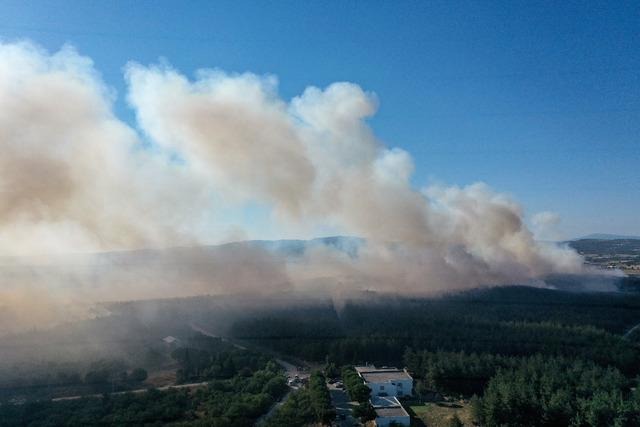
(204, 358)
(454, 373)
(240, 400)
(558, 392)
(506, 339)
(198, 365)
(507, 321)
(355, 386)
(305, 406)
(295, 412)
(530, 391)
(358, 392)
(320, 398)
(245, 383)
(612, 312)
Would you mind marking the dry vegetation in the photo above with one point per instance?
(440, 414)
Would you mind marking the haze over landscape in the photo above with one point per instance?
(80, 180)
(207, 201)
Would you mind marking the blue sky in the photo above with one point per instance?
(540, 100)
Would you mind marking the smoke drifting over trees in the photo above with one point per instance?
(74, 178)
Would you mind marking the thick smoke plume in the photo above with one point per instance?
(75, 179)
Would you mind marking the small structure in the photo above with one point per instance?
(389, 410)
(386, 381)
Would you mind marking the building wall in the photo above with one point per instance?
(382, 388)
(385, 421)
(406, 389)
(391, 389)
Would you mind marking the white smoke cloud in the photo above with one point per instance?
(75, 178)
(545, 225)
(231, 129)
(72, 176)
(318, 161)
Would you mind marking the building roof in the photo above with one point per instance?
(371, 368)
(394, 411)
(388, 406)
(385, 376)
(384, 401)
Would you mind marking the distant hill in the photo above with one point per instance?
(292, 248)
(603, 236)
(603, 247)
(620, 254)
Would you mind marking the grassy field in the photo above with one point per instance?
(440, 414)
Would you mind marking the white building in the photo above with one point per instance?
(389, 410)
(386, 381)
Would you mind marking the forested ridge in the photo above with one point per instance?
(505, 321)
(525, 357)
(522, 356)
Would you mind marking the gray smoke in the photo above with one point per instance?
(75, 179)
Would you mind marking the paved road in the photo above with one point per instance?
(291, 370)
(340, 401)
